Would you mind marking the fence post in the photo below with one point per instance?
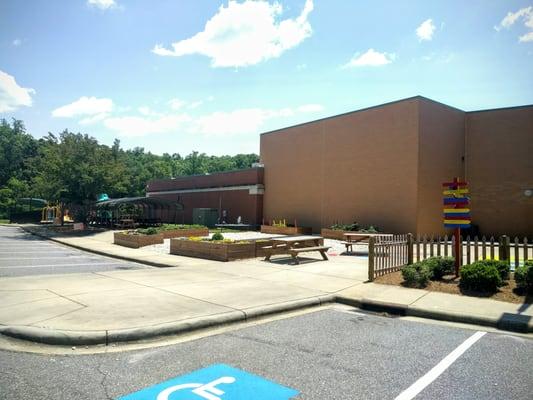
(371, 256)
(410, 245)
(504, 251)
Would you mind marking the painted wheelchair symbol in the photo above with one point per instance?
(206, 391)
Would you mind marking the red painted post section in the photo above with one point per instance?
(458, 253)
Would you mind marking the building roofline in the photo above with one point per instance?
(500, 108)
(342, 114)
(388, 104)
(185, 177)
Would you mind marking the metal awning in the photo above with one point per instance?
(142, 201)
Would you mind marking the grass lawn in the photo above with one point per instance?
(4, 221)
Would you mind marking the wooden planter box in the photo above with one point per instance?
(212, 250)
(175, 233)
(333, 233)
(286, 230)
(136, 241)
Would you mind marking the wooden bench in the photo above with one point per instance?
(295, 251)
(349, 246)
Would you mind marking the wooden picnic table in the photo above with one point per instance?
(355, 237)
(295, 245)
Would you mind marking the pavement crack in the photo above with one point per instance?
(66, 298)
(104, 374)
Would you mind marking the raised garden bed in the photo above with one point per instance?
(136, 240)
(450, 284)
(332, 233)
(213, 250)
(185, 232)
(286, 230)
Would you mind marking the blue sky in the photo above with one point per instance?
(176, 76)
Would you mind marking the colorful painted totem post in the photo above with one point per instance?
(456, 213)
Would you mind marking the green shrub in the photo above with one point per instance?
(171, 227)
(149, 231)
(370, 229)
(440, 266)
(502, 266)
(523, 275)
(217, 236)
(416, 275)
(480, 276)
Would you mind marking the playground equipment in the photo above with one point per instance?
(51, 214)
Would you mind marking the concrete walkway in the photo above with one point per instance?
(110, 306)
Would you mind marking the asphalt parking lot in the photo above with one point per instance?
(24, 254)
(327, 354)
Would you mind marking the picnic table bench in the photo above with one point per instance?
(294, 245)
(354, 238)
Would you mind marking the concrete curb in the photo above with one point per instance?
(507, 322)
(76, 338)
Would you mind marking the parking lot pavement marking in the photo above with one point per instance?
(216, 380)
(63, 265)
(438, 369)
(40, 258)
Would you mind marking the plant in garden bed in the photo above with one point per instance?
(481, 276)
(171, 227)
(354, 227)
(433, 268)
(145, 231)
(440, 266)
(416, 275)
(523, 276)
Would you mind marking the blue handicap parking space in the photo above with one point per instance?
(217, 382)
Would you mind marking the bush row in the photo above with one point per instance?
(420, 273)
(481, 276)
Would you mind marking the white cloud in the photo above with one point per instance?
(425, 30)
(13, 96)
(102, 4)
(236, 122)
(510, 19)
(244, 34)
(142, 126)
(371, 58)
(17, 42)
(84, 106)
(528, 37)
(307, 108)
(196, 104)
(94, 119)
(245, 120)
(176, 104)
(526, 14)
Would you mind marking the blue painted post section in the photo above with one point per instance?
(217, 382)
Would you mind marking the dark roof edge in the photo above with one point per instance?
(204, 175)
(500, 108)
(365, 109)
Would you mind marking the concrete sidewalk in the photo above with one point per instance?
(105, 307)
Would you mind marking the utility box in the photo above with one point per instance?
(205, 216)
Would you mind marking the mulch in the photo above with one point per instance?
(449, 284)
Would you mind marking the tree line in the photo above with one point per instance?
(75, 168)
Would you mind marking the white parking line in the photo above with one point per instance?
(41, 258)
(61, 265)
(438, 369)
